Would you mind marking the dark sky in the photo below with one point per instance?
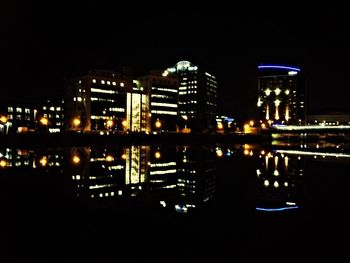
(41, 44)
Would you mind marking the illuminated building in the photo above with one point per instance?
(16, 117)
(136, 168)
(197, 95)
(278, 181)
(163, 169)
(196, 179)
(52, 111)
(97, 101)
(281, 94)
(108, 173)
(162, 90)
(137, 112)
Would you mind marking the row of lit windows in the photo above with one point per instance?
(79, 99)
(57, 116)
(18, 110)
(171, 105)
(117, 109)
(164, 112)
(103, 91)
(165, 89)
(161, 96)
(187, 92)
(109, 82)
(189, 102)
(101, 99)
(52, 108)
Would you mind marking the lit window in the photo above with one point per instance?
(103, 82)
(58, 108)
(121, 84)
(94, 80)
(108, 82)
(75, 99)
(79, 99)
(18, 110)
(287, 92)
(52, 108)
(114, 83)
(27, 110)
(10, 109)
(267, 92)
(277, 91)
(44, 108)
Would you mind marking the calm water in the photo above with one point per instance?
(175, 203)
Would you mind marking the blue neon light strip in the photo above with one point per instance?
(276, 209)
(278, 67)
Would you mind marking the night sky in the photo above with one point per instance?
(43, 44)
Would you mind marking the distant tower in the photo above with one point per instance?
(197, 95)
(281, 94)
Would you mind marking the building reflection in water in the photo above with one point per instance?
(179, 178)
(279, 179)
(174, 178)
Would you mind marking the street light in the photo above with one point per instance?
(76, 121)
(3, 163)
(44, 121)
(76, 159)
(157, 155)
(3, 119)
(43, 161)
(158, 124)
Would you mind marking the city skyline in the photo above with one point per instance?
(40, 56)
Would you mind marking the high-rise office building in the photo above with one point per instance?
(197, 96)
(281, 94)
(162, 90)
(97, 101)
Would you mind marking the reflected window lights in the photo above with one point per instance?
(266, 183)
(3, 163)
(43, 161)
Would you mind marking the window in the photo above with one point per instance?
(94, 81)
(103, 82)
(10, 109)
(18, 110)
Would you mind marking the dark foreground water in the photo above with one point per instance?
(219, 203)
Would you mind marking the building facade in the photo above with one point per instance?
(197, 96)
(97, 101)
(162, 91)
(281, 95)
(17, 117)
(49, 116)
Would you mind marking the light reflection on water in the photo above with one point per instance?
(250, 194)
